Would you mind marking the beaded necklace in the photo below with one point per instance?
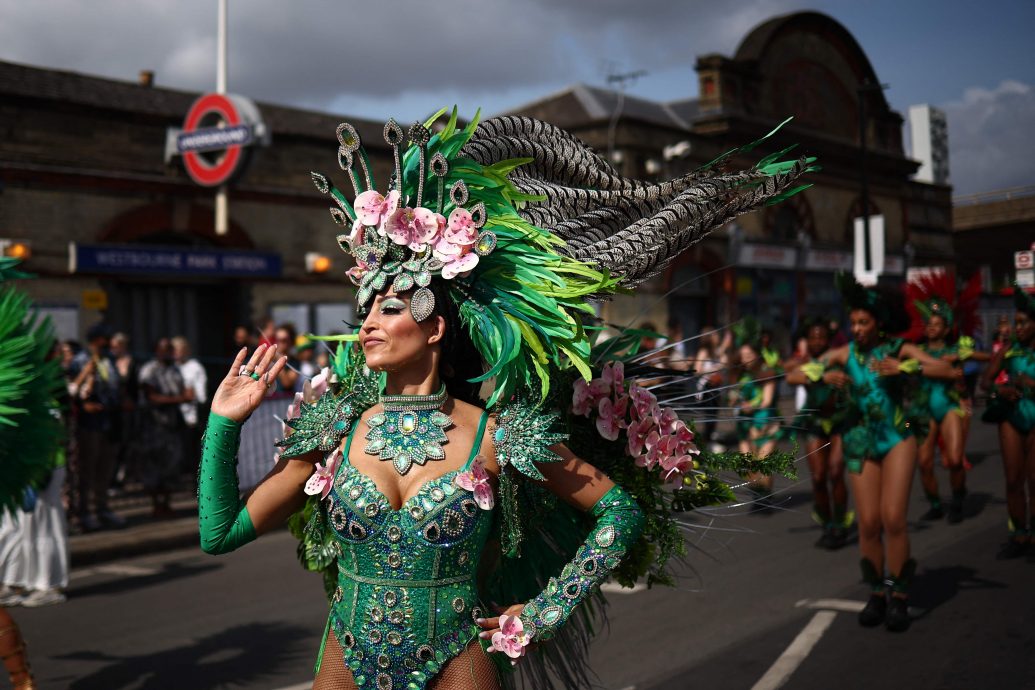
(410, 429)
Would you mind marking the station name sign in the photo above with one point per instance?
(173, 261)
(213, 139)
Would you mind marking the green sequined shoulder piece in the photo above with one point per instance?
(523, 437)
(323, 424)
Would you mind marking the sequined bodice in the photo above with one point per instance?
(406, 598)
(867, 386)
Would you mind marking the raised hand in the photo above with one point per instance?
(242, 390)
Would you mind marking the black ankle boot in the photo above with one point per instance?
(876, 607)
(897, 618)
(874, 612)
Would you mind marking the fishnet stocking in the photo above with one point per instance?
(472, 669)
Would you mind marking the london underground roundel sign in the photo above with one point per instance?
(214, 134)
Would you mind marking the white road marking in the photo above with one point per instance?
(127, 570)
(799, 649)
(122, 570)
(615, 588)
(846, 605)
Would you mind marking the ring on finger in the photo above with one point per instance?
(254, 375)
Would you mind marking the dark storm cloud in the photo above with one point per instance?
(315, 51)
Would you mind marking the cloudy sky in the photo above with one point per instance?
(403, 58)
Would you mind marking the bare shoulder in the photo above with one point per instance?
(469, 416)
(837, 355)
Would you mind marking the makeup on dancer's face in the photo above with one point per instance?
(391, 305)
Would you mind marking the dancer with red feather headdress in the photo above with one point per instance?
(944, 324)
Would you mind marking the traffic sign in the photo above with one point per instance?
(216, 124)
(1025, 259)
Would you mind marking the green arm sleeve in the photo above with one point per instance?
(619, 523)
(222, 517)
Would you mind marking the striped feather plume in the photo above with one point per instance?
(630, 228)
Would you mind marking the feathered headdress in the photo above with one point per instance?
(523, 223)
(885, 303)
(934, 293)
(1023, 301)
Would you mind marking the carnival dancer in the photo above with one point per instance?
(758, 425)
(476, 266)
(945, 323)
(29, 431)
(879, 441)
(820, 422)
(1012, 407)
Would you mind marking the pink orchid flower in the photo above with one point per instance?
(358, 232)
(413, 227)
(372, 208)
(511, 639)
(319, 383)
(460, 228)
(643, 401)
(676, 466)
(613, 376)
(581, 399)
(666, 419)
(323, 475)
(637, 436)
(459, 265)
(357, 272)
(607, 421)
(293, 411)
(476, 480)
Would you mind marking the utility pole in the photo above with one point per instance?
(623, 80)
(222, 211)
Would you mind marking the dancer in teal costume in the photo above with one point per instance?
(475, 267)
(884, 416)
(944, 322)
(1012, 407)
(821, 423)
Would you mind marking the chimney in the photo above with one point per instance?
(146, 78)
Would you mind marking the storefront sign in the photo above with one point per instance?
(137, 259)
(216, 123)
(828, 260)
(768, 256)
(1024, 259)
(95, 299)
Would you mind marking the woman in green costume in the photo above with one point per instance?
(758, 426)
(1012, 407)
(472, 277)
(821, 422)
(948, 408)
(879, 439)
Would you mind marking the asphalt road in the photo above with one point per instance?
(757, 607)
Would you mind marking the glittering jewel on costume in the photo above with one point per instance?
(410, 429)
